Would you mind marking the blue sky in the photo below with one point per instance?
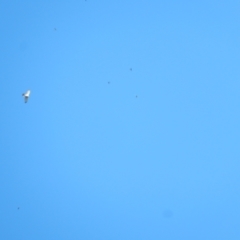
(132, 127)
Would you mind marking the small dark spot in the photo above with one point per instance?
(108, 82)
(18, 208)
(130, 69)
(55, 29)
(136, 96)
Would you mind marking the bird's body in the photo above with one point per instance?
(26, 95)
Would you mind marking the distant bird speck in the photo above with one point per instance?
(26, 95)
(18, 208)
(108, 82)
(130, 69)
(55, 29)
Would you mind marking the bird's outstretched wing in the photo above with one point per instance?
(27, 94)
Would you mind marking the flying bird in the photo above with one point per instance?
(26, 95)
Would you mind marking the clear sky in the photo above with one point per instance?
(131, 130)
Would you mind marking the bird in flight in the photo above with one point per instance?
(26, 95)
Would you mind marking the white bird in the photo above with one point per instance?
(26, 95)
